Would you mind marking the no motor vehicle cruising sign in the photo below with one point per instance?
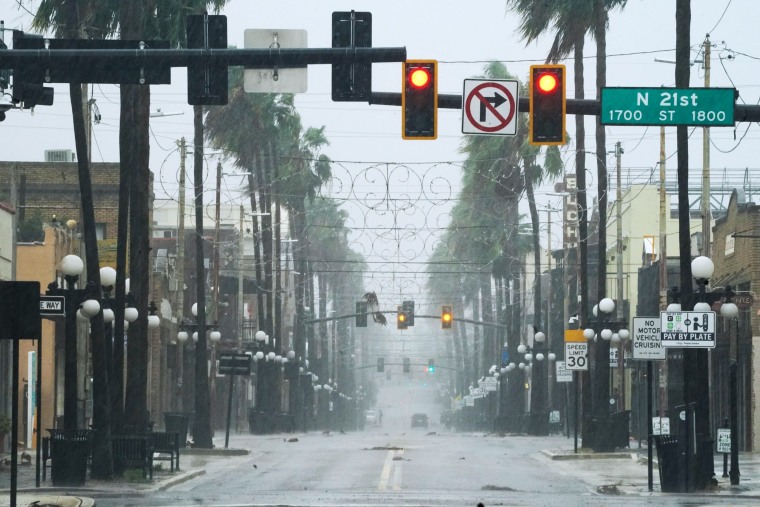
(490, 107)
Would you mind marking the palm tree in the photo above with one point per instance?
(571, 20)
(69, 20)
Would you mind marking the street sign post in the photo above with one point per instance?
(705, 107)
(232, 364)
(646, 340)
(688, 329)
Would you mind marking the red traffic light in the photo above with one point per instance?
(419, 78)
(547, 83)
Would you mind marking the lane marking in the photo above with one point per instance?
(385, 475)
(398, 460)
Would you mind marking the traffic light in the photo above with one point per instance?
(419, 100)
(407, 365)
(28, 78)
(401, 318)
(547, 105)
(351, 81)
(361, 314)
(447, 317)
(380, 364)
(206, 82)
(408, 308)
(431, 366)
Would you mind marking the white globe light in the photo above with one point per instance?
(182, 336)
(194, 309)
(540, 337)
(259, 355)
(615, 338)
(81, 316)
(674, 307)
(528, 367)
(539, 357)
(496, 375)
(511, 366)
(153, 321)
(702, 307)
(107, 276)
(285, 360)
(108, 315)
(90, 308)
(595, 310)
(588, 333)
(552, 356)
(215, 336)
(278, 358)
(529, 357)
(317, 387)
(72, 265)
(260, 336)
(503, 370)
(291, 354)
(521, 366)
(271, 356)
(131, 314)
(521, 348)
(624, 334)
(606, 334)
(195, 336)
(607, 305)
(729, 310)
(702, 268)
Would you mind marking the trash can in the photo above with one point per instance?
(69, 453)
(619, 425)
(177, 422)
(668, 457)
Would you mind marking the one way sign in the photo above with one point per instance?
(53, 305)
(490, 107)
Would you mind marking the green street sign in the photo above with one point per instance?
(704, 107)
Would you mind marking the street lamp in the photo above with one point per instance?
(730, 311)
(601, 326)
(71, 267)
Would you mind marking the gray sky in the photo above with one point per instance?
(463, 36)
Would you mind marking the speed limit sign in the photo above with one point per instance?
(576, 356)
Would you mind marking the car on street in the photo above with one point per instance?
(420, 420)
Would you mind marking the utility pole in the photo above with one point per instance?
(619, 261)
(241, 313)
(548, 317)
(180, 266)
(706, 220)
(663, 259)
(215, 296)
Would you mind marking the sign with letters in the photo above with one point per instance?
(646, 341)
(563, 374)
(687, 329)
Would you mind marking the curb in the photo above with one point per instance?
(216, 452)
(174, 481)
(586, 455)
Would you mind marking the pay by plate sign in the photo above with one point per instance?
(688, 329)
(646, 340)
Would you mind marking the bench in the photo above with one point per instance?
(166, 442)
(134, 450)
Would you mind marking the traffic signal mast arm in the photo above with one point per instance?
(273, 57)
(586, 107)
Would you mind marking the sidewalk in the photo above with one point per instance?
(626, 472)
(192, 463)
